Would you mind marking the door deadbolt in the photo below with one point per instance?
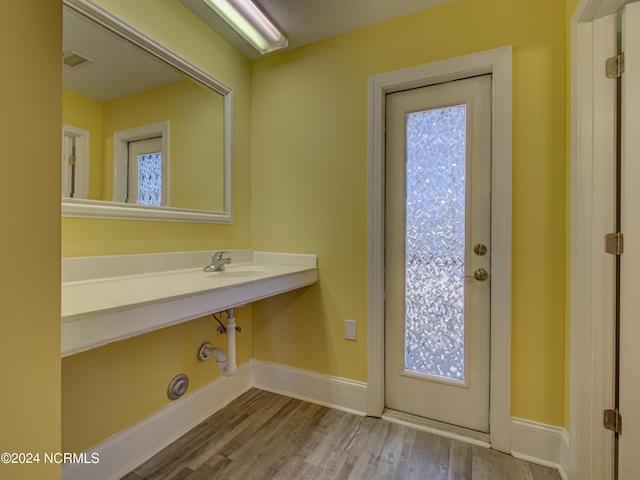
(480, 249)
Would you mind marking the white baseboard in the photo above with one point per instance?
(566, 460)
(531, 441)
(126, 450)
(539, 443)
(334, 392)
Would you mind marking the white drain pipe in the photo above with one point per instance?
(226, 363)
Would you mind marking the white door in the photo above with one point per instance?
(629, 379)
(438, 252)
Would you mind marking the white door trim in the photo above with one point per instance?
(592, 207)
(498, 63)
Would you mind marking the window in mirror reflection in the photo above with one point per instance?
(145, 172)
(141, 164)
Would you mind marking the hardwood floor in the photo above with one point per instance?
(262, 435)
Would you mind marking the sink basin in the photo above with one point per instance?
(242, 271)
(235, 273)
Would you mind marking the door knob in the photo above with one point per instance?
(480, 274)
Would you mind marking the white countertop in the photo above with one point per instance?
(141, 293)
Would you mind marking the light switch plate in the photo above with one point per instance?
(350, 329)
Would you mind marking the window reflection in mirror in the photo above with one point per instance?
(111, 87)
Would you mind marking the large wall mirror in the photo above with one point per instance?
(146, 135)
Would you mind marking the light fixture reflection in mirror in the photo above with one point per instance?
(146, 135)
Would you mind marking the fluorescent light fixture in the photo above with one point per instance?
(247, 19)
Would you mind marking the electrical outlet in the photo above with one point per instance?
(350, 329)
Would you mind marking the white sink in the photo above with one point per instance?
(136, 295)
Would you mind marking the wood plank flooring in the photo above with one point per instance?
(262, 435)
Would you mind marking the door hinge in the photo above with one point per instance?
(613, 421)
(614, 243)
(72, 160)
(614, 66)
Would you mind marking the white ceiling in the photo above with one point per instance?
(118, 68)
(307, 21)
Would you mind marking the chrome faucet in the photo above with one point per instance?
(218, 261)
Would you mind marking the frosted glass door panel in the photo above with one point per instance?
(435, 242)
(150, 179)
(147, 174)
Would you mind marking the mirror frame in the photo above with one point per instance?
(84, 208)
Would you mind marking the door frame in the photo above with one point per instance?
(121, 139)
(592, 296)
(498, 63)
(83, 161)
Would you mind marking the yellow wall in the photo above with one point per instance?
(113, 387)
(195, 117)
(30, 135)
(196, 150)
(309, 185)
